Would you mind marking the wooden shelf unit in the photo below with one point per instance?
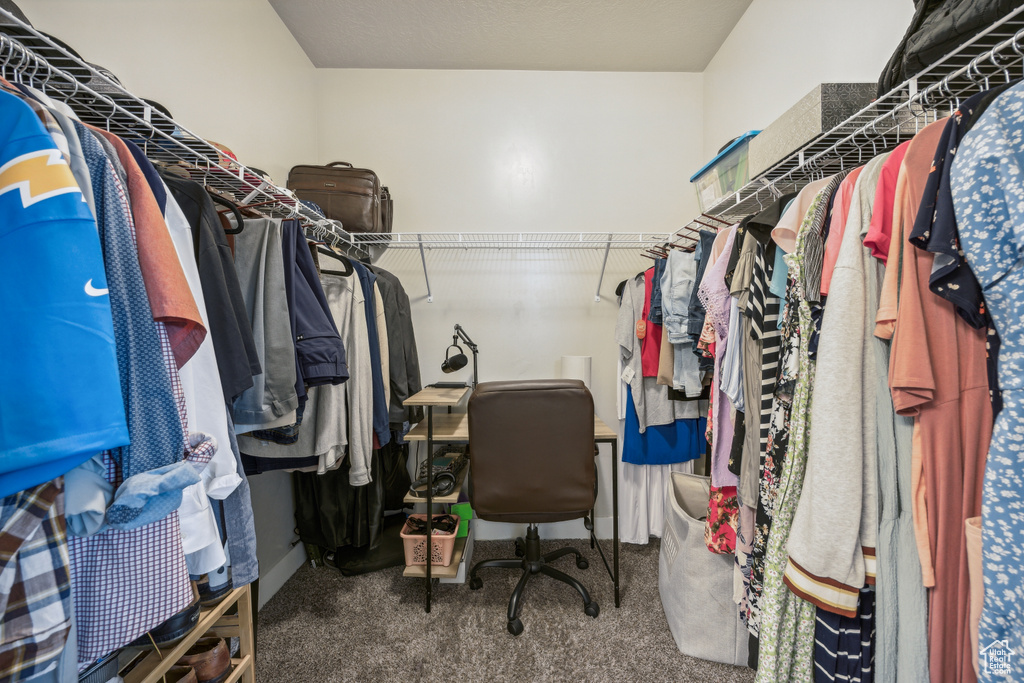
(452, 497)
(435, 396)
(213, 622)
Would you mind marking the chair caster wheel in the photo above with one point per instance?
(520, 552)
(515, 627)
(581, 563)
(475, 583)
(592, 609)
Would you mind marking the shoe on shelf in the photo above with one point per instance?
(210, 658)
(180, 674)
(171, 631)
(211, 597)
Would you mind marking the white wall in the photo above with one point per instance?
(197, 58)
(519, 150)
(781, 49)
(484, 151)
(209, 62)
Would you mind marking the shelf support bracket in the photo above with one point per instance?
(604, 263)
(423, 258)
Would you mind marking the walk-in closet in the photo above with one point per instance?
(432, 340)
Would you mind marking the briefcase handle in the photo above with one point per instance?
(340, 163)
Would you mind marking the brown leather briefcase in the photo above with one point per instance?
(353, 196)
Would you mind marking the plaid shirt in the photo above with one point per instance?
(35, 586)
(128, 582)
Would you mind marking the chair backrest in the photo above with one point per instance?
(532, 450)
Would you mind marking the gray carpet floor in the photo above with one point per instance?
(324, 627)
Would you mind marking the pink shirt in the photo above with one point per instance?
(785, 232)
(880, 230)
(840, 211)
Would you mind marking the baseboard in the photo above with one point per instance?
(500, 531)
(273, 580)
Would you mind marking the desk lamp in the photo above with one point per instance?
(458, 361)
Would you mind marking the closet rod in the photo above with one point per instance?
(516, 240)
(888, 121)
(27, 57)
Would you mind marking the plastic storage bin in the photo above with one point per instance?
(724, 174)
(441, 548)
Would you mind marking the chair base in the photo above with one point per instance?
(533, 562)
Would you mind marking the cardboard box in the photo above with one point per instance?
(822, 109)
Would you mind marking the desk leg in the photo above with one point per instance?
(430, 496)
(615, 517)
(593, 521)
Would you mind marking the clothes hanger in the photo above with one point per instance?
(328, 251)
(178, 169)
(1004, 68)
(239, 218)
(252, 208)
(322, 247)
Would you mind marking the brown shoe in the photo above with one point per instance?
(180, 674)
(210, 658)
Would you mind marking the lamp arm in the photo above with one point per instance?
(461, 334)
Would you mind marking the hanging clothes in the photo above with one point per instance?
(319, 353)
(404, 365)
(938, 375)
(127, 581)
(234, 350)
(67, 314)
(677, 285)
(786, 632)
(832, 542)
(901, 616)
(656, 429)
(259, 263)
(237, 358)
(381, 429)
(676, 442)
(715, 297)
(986, 189)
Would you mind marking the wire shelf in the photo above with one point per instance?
(515, 240)
(992, 57)
(31, 58)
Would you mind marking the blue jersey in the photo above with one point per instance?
(60, 394)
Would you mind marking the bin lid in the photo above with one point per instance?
(718, 157)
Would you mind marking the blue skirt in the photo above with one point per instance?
(680, 441)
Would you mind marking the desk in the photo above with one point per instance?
(454, 428)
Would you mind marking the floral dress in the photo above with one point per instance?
(770, 469)
(987, 179)
(787, 622)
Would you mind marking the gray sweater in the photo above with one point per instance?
(832, 542)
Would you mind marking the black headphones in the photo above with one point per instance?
(456, 362)
(444, 483)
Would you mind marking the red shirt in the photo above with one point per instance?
(650, 345)
(877, 239)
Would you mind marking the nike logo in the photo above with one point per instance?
(92, 291)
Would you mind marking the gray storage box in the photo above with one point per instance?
(822, 109)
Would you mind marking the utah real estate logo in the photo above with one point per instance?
(996, 657)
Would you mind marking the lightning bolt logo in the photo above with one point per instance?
(37, 176)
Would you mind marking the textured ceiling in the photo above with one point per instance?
(561, 35)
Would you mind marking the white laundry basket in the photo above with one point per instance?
(696, 585)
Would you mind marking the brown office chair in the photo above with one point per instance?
(532, 460)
